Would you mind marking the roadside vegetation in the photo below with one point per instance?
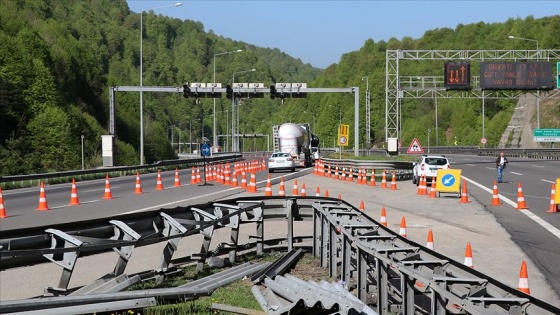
(60, 58)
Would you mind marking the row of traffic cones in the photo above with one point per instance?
(337, 174)
(295, 189)
(523, 285)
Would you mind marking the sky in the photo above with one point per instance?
(320, 32)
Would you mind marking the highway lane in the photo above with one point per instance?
(21, 204)
(534, 230)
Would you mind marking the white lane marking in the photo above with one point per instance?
(548, 181)
(470, 164)
(514, 173)
(532, 216)
(490, 168)
(537, 166)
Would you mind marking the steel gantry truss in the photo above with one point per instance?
(398, 87)
(239, 92)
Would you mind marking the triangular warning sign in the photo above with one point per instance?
(415, 147)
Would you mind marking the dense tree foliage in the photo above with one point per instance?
(58, 60)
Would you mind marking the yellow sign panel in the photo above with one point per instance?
(448, 180)
(557, 191)
(343, 131)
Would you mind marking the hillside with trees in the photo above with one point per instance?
(59, 59)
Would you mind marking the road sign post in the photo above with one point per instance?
(205, 150)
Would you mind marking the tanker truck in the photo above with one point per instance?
(297, 140)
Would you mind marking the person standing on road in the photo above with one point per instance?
(501, 162)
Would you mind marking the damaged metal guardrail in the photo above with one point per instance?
(382, 268)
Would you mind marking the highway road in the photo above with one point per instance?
(534, 230)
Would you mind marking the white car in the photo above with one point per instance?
(281, 161)
(428, 166)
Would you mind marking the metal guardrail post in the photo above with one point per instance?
(333, 257)
(202, 217)
(171, 228)
(66, 260)
(317, 218)
(124, 233)
(289, 204)
(361, 266)
(346, 258)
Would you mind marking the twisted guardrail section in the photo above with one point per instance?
(389, 271)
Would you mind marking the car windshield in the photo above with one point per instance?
(436, 161)
(280, 155)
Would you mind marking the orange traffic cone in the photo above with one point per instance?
(524, 279)
(430, 242)
(303, 192)
(362, 206)
(383, 220)
(253, 183)
(282, 191)
(3, 214)
(42, 199)
(343, 177)
(553, 206)
(317, 192)
(243, 180)
(198, 178)
(339, 197)
(372, 179)
(193, 176)
(74, 194)
(234, 179)
(350, 175)
(433, 190)
(295, 189)
(336, 173)
(468, 256)
(384, 180)
(159, 184)
(424, 185)
(326, 193)
(108, 194)
(177, 182)
(402, 230)
(495, 196)
(268, 189)
(520, 199)
(464, 193)
(138, 187)
(394, 182)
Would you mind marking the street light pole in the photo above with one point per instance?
(214, 138)
(178, 4)
(234, 143)
(538, 91)
(82, 152)
(368, 109)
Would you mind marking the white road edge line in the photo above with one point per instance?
(528, 213)
(514, 173)
(470, 164)
(547, 181)
(541, 166)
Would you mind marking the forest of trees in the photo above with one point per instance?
(58, 60)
